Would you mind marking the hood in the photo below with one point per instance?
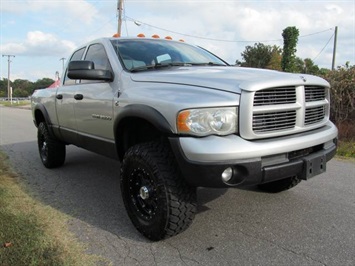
(229, 78)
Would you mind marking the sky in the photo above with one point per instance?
(42, 32)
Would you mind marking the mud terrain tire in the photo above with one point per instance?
(51, 151)
(158, 201)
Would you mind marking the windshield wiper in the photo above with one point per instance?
(207, 64)
(157, 66)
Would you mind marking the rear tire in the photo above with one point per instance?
(280, 185)
(51, 151)
(158, 200)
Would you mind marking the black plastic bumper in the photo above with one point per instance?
(251, 172)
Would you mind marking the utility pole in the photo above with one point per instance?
(119, 10)
(62, 59)
(335, 46)
(9, 94)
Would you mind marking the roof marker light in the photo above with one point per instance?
(156, 36)
(141, 35)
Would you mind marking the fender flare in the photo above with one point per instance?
(145, 112)
(45, 114)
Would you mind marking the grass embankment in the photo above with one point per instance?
(15, 103)
(346, 149)
(32, 233)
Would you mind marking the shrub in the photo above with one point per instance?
(342, 93)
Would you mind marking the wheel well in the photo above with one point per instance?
(132, 131)
(39, 117)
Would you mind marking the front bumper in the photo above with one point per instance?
(203, 160)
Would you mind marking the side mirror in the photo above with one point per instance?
(86, 70)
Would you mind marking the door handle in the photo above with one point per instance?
(59, 96)
(78, 96)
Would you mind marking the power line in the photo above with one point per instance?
(311, 34)
(219, 40)
(323, 48)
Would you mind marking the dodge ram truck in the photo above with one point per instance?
(178, 117)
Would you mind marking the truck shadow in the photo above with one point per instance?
(86, 188)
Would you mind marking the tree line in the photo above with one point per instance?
(277, 58)
(23, 87)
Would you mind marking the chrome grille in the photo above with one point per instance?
(274, 121)
(314, 93)
(314, 115)
(285, 110)
(275, 96)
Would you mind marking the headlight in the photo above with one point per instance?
(208, 121)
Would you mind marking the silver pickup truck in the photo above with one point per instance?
(179, 117)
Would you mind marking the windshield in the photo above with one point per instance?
(143, 54)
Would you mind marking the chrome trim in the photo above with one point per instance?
(280, 111)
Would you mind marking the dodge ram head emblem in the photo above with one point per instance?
(303, 78)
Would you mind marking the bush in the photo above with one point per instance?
(342, 94)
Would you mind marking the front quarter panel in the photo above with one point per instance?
(170, 99)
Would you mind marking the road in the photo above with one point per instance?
(311, 224)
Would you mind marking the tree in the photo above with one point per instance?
(290, 36)
(310, 67)
(306, 66)
(275, 61)
(21, 84)
(3, 87)
(20, 93)
(43, 83)
(298, 65)
(323, 71)
(259, 55)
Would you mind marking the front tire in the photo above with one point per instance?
(51, 151)
(280, 185)
(158, 200)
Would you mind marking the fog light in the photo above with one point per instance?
(227, 174)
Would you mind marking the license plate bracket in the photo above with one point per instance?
(313, 165)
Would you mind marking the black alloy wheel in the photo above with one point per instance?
(158, 200)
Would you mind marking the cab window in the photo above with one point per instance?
(97, 54)
(78, 55)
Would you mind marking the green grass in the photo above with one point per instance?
(346, 149)
(32, 233)
(15, 103)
